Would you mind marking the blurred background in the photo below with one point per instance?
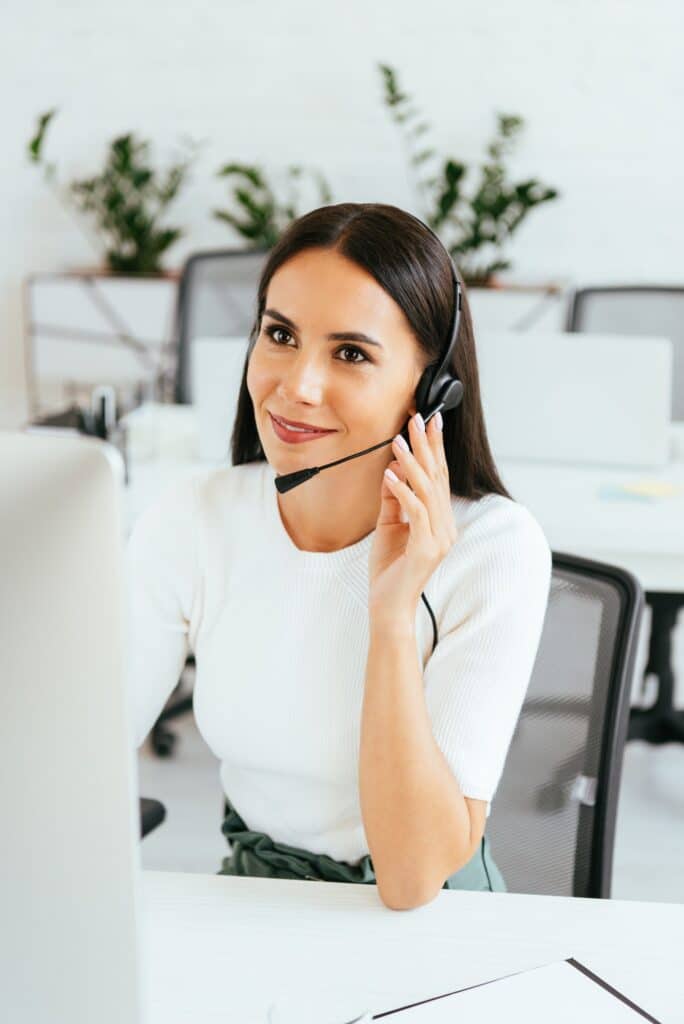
(599, 87)
(153, 153)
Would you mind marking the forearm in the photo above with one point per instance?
(414, 814)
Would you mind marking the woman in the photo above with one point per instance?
(349, 750)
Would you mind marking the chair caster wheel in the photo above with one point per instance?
(163, 742)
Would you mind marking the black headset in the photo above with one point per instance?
(439, 387)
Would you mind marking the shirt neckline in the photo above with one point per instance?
(307, 559)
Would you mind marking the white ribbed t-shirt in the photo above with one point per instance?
(280, 638)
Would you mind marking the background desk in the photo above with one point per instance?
(222, 948)
(641, 534)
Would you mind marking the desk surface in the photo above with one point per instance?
(222, 949)
(645, 536)
(583, 512)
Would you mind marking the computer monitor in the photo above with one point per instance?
(585, 399)
(69, 952)
(217, 365)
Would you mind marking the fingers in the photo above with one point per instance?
(390, 506)
(420, 445)
(420, 470)
(436, 441)
(426, 471)
(416, 512)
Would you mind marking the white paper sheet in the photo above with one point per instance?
(557, 992)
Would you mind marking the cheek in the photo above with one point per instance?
(258, 379)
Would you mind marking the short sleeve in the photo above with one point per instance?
(495, 586)
(160, 578)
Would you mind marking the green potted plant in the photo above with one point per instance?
(258, 215)
(475, 225)
(125, 203)
(123, 211)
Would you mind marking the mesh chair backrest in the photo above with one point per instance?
(637, 310)
(217, 298)
(552, 819)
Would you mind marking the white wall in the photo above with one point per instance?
(600, 83)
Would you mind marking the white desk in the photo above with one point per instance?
(221, 949)
(645, 536)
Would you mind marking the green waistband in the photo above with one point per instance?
(255, 853)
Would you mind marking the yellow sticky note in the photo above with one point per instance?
(653, 488)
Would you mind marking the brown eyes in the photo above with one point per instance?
(274, 329)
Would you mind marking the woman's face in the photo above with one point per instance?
(361, 391)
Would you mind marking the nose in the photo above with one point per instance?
(304, 380)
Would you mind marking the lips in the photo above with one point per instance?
(295, 437)
(304, 426)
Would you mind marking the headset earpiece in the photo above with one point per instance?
(439, 387)
(451, 395)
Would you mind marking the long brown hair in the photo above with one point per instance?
(412, 266)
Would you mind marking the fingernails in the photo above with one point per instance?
(420, 423)
(401, 443)
(390, 474)
(438, 420)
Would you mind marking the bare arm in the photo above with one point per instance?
(420, 828)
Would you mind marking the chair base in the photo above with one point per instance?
(661, 723)
(152, 814)
(163, 739)
(646, 724)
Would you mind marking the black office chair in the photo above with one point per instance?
(552, 820)
(656, 310)
(650, 310)
(163, 739)
(217, 297)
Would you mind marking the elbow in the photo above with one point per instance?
(417, 890)
(409, 896)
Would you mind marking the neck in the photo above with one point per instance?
(336, 508)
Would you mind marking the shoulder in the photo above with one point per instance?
(232, 485)
(501, 547)
(178, 535)
(496, 522)
(183, 530)
(182, 503)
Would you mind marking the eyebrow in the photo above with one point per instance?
(335, 336)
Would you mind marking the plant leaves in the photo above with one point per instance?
(264, 216)
(35, 145)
